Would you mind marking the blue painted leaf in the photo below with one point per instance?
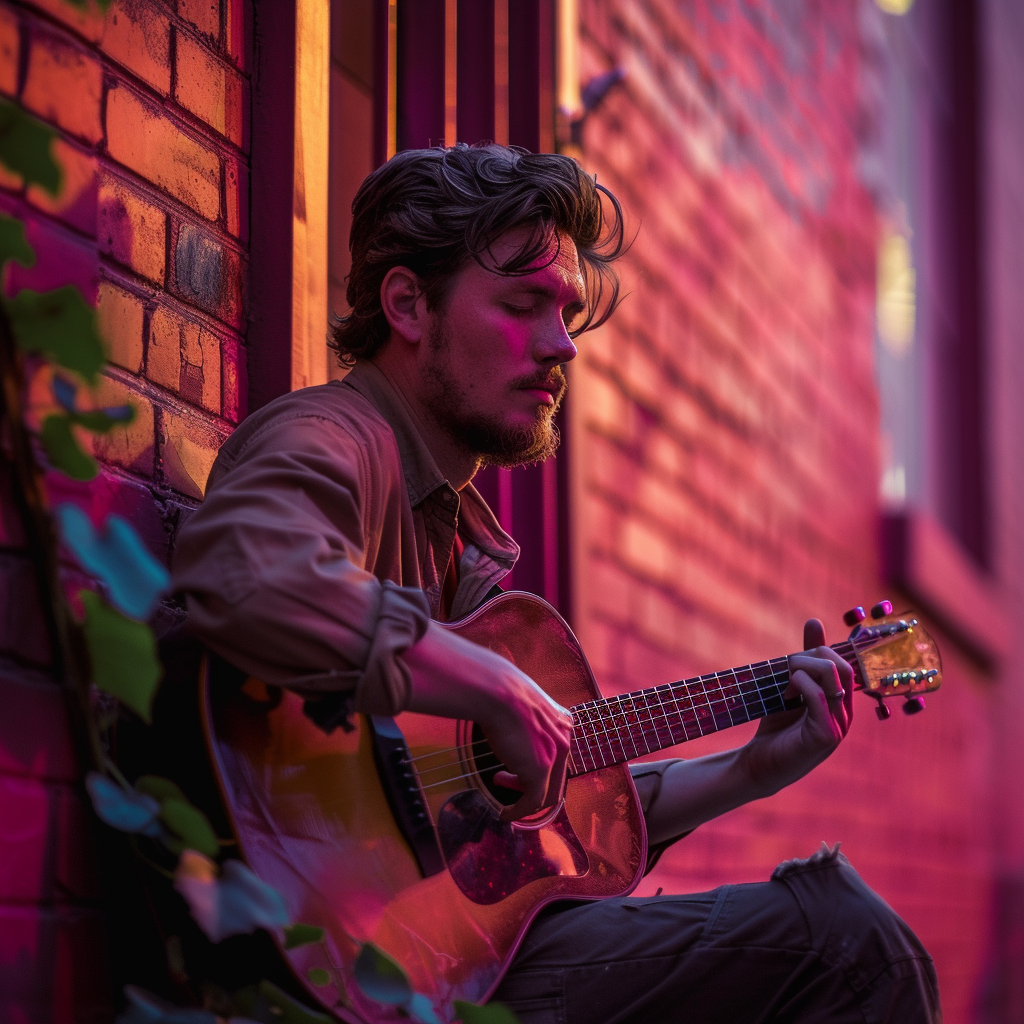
(60, 325)
(123, 655)
(236, 903)
(422, 1009)
(117, 557)
(13, 245)
(302, 935)
(62, 449)
(99, 421)
(380, 977)
(25, 148)
(492, 1013)
(123, 809)
(146, 1008)
(66, 392)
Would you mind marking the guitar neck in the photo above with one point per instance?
(616, 729)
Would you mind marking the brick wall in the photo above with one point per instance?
(726, 442)
(151, 102)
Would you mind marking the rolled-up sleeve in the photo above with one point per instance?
(271, 567)
(647, 777)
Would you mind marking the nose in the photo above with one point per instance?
(554, 345)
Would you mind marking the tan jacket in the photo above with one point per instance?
(319, 552)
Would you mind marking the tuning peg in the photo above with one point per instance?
(912, 705)
(854, 615)
(880, 610)
(882, 711)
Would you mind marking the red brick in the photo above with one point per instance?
(130, 447)
(120, 316)
(87, 20)
(188, 447)
(76, 203)
(64, 85)
(204, 14)
(53, 964)
(184, 356)
(236, 188)
(44, 842)
(233, 381)
(131, 230)
(61, 258)
(10, 47)
(35, 735)
(138, 35)
(208, 274)
(148, 142)
(238, 33)
(212, 90)
(163, 353)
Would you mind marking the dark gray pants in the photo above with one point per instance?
(812, 944)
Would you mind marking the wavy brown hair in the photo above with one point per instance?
(433, 210)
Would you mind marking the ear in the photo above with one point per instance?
(404, 303)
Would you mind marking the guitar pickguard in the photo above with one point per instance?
(490, 859)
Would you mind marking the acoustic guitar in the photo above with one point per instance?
(389, 833)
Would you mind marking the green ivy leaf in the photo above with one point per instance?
(101, 5)
(318, 976)
(123, 655)
(283, 1008)
(380, 977)
(302, 935)
(190, 825)
(63, 450)
(492, 1013)
(25, 148)
(159, 788)
(13, 245)
(60, 325)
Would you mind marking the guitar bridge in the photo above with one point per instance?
(404, 796)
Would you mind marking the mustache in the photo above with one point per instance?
(553, 381)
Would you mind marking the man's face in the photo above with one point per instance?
(493, 370)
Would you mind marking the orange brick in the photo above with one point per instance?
(129, 447)
(120, 316)
(64, 85)
(86, 20)
(188, 448)
(139, 37)
(163, 356)
(204, 14)
(76, 204)
(238, 32)
(236, 190)
(214, 92)
(152, 145)
(9, 49)
(132, 230)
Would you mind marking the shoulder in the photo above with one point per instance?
(328, 414)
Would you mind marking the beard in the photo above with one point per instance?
(491, 441)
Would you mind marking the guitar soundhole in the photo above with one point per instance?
(487, 766)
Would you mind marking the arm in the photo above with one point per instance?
(785, 748)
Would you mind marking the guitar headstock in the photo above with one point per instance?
(894, 657)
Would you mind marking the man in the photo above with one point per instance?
(340, 522)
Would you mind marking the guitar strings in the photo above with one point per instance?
(688, 717)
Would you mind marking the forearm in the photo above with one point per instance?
(695, 791)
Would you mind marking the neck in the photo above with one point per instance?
(616, 729)
(457, 464)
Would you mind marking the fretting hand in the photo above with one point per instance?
(789, 744)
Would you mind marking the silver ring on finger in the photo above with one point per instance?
(838, 695)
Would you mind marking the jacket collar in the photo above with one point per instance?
(423, 479)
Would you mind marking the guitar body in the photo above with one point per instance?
(334, 824)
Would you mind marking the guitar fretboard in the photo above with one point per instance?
(621, 728)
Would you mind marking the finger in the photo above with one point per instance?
(814, 634)
(529, 803)
(847, 679)
(508, 780)
(824, 672)
(820, 716)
